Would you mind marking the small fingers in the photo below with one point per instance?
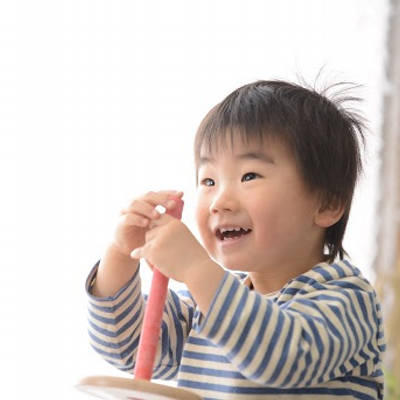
(141, 209)
(165, 199)
(148, 205)
(135, 220)
(172, 193)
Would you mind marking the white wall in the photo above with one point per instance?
(99, 101)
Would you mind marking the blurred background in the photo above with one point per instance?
(99, 102)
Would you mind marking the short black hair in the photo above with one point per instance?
(326, 138)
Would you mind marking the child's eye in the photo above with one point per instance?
(208, 182)
(249, 176)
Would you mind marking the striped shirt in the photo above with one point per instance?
(321, 336)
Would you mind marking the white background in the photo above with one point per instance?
(99, 102)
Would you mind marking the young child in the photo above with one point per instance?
(273, 310)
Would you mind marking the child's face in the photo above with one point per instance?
(254, 213)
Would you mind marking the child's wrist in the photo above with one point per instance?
(115, 252)
(203, 279)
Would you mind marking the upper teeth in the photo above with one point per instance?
(223, 230)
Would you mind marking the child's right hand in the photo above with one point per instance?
(134, 220)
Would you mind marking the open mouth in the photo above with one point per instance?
(232, 233)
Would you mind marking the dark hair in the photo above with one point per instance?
(326, 139)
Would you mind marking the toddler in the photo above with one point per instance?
(273, 308)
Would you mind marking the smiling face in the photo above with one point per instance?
(253, 212)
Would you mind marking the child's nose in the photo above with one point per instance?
(224, 200)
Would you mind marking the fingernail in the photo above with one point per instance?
(134, 254)
(159, 210)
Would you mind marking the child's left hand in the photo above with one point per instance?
(172, 248)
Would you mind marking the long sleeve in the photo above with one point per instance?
(115, 325)
(325, 325)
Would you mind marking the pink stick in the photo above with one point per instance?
(153, 315)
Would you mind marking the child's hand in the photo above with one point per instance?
(135, 219)
(171, 247)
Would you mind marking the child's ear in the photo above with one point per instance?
(328, 215)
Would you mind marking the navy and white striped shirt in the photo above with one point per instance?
(320, 337)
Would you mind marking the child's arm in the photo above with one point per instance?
(115, 325)
(115, 271)
(318, 330)
(116, 305)
(177, 253)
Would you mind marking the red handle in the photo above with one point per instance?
(153, 315)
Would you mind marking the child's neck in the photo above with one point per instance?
(272, 281)
(265, 286)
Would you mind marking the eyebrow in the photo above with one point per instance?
(256, 155)
(252, 155)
